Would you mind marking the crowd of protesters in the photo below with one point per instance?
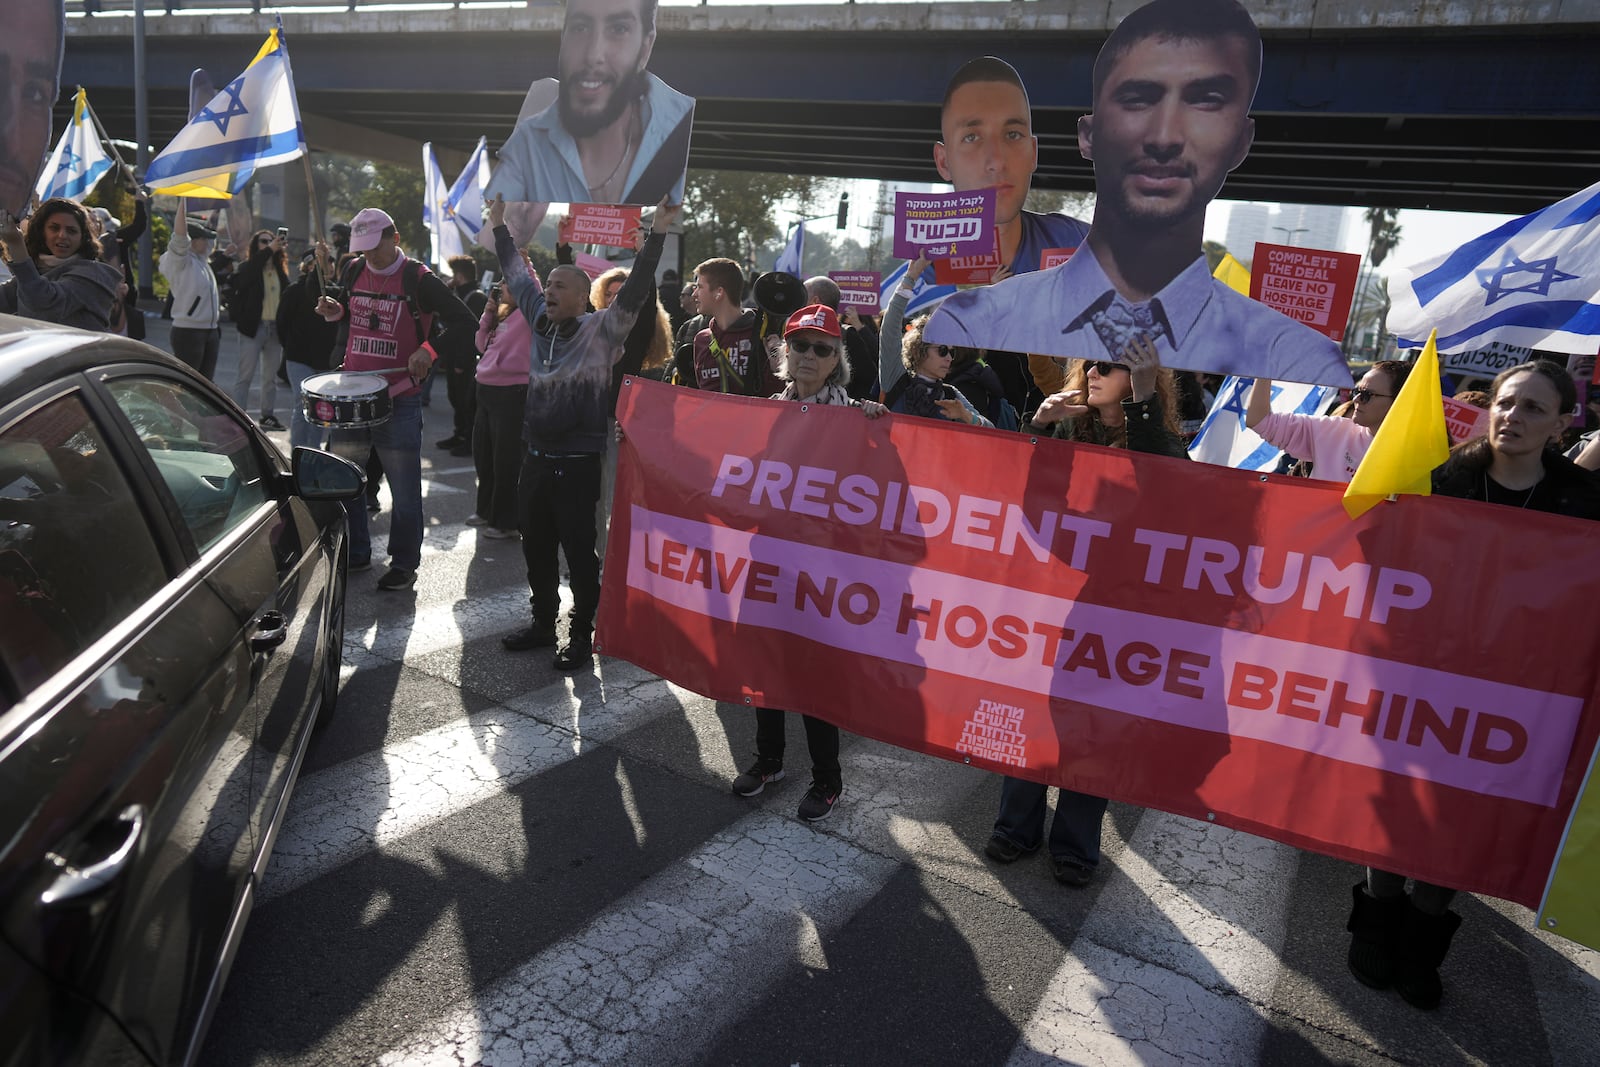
(533, 399)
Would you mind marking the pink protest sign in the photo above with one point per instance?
(858, 290)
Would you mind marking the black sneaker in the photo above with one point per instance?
(397, 578)
(1001, 850)
(362, 564)
(269, 422)
(453, 441)
(818, 801)
(531, 637)
(574, 656)
(758, 777)
(373, 506)
(1069, 873)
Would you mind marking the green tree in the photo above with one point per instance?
(398, 191)
(730, 213)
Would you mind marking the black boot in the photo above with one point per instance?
(1375, 924)
(1424, 941)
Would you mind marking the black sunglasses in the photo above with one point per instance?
(821, 348)
(1105, 367)
(1361, 396)
(942, 350)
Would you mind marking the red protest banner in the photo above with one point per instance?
(611, 225)
(1211, 642)
(858, 290)
(1054, 257)
(1310, 285)
(968, 270)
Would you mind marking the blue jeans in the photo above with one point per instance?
(301, 432)
(399, 445)
(1075, 834)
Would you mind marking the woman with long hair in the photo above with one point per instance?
(1399, 939)
(1131, 403)
(258, 288)
(58, 275)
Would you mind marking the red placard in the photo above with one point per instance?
(1054, 257)
(968, 270)
(1310, 285)
(1210, 642)
(1463, 420)
(610, 225)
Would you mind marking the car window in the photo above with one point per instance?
(204, 455)
(76, 556)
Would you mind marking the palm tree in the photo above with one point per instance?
(1384, 223)
(1384, 235)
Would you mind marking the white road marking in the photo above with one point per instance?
(379, 797)
(1196, 933)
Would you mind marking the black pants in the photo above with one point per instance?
(822, 738)
(461, 387)
(497, 451)
(198, 347)
(556, 498)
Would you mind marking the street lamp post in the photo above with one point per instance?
(841, 219)
(1288, 234)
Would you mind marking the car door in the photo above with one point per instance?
(125, 742)
(277, 581)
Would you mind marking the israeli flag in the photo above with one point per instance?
(79, 161)
(253, 122)
(444, 235)
(1226, 441)
(792, 259)
(1534, 282)
(925, 295)
(464, 203)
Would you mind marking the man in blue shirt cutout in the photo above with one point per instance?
(1172, 93)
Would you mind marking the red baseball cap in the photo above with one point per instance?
(814, 317)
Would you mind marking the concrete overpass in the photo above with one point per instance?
(1487, 105)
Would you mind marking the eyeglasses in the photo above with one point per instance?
(822, 349)
(942, 350)
(1104, 367)
(1361, 396)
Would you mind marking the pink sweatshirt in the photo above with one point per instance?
(507, 349)
(1333, 445)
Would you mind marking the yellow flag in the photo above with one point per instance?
(1231, 272)
(1410, 443)
(1571, 904)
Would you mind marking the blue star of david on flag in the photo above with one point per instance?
(1226, 441)
(79, 160)
(236, 107)
(1544, 270)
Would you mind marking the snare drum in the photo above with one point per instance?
(345, 401)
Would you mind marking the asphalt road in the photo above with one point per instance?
(489, 862)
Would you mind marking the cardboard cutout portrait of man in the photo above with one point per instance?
(986, 126)
(1172, 92)
(616, 134)
(30, 77)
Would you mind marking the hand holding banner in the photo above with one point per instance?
(944, 224)
(609, 225)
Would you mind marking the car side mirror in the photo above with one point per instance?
(320, 475)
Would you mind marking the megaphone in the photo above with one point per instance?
(779, 295)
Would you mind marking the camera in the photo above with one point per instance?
(495, 290)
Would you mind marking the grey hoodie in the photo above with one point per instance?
(79, 292)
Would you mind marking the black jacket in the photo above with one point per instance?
(1567, 489)
(249, 290)
(307, 337)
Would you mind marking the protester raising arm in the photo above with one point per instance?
(519, 279)
(890, 366)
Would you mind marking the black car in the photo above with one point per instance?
(171, 617)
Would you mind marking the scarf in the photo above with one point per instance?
(828, 394)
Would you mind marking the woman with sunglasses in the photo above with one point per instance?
(1399, 939)
(1127, 404)
(258, 287)
(912, 373)
(816, 372)
(1334, 445)
(57, 273)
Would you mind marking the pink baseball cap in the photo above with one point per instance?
(367, 227)
(814, 317)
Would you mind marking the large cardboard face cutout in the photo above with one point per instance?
(606, 131)
(1172, 92)
(30, 76)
